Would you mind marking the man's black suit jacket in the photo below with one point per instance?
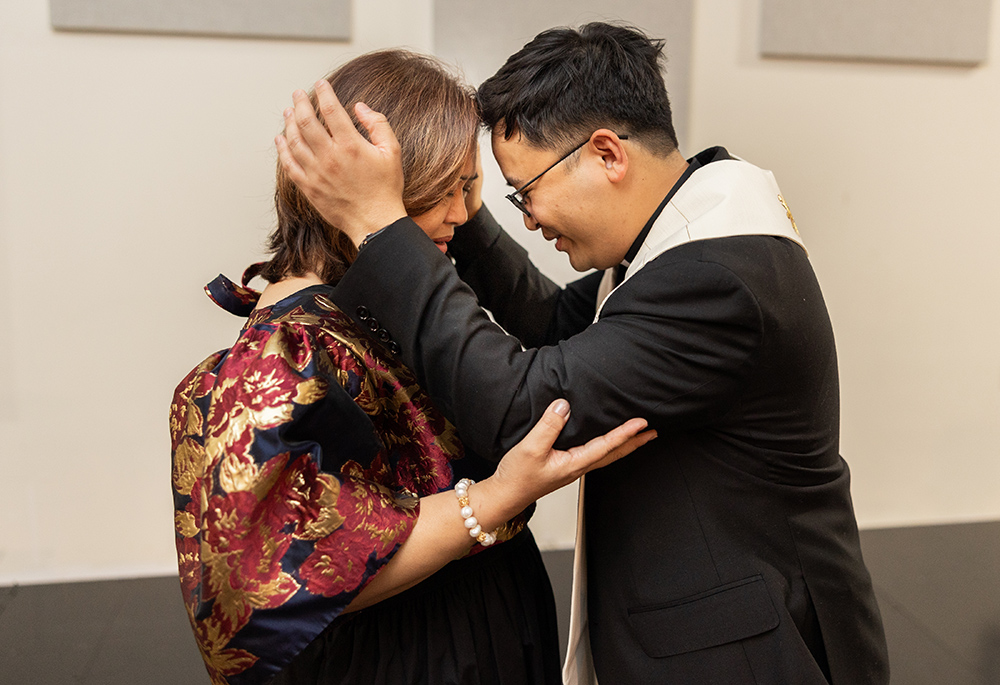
(724, 551)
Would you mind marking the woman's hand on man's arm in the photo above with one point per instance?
(531, 469)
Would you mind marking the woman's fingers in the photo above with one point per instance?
(611, 446)
(621, 450)
(539, 440)
(532, 468)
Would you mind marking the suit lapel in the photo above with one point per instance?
(726, 198)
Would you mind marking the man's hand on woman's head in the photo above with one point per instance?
(356, 185)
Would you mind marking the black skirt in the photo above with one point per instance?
(489, 619)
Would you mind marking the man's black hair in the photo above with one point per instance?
(567, 83)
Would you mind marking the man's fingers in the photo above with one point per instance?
(287, 160)
(296, 146)
(379, 130)
(338, 121)
(311, 131)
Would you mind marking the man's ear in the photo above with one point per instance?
(608, 146)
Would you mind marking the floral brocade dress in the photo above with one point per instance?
(299, 456)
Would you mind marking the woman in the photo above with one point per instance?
(324, 530)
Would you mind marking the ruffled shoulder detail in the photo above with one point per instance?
(235, 299)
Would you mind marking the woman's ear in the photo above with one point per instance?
(609, 146)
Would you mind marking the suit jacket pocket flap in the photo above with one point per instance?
(727, 613)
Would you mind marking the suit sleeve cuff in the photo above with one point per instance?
(474, 237)
(374, 236)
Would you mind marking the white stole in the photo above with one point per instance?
(721, 199)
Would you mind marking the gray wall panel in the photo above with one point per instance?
(304, 19)
(927, 31)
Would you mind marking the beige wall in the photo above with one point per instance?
(132, 170)
(135, 168)
(891, 172)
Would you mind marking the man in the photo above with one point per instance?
(725, 551)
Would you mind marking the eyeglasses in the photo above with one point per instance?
(517, 198)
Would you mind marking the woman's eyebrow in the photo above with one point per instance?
(469, 178)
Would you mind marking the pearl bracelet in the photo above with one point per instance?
(475, 530)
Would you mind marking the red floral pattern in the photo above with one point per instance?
(258, 524)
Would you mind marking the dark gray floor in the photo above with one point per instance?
(938, 588)
(939, 591)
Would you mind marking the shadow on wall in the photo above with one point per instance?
(990, 654)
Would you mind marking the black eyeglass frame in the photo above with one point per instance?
(515, 197)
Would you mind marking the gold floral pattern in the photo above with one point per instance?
(267, 514)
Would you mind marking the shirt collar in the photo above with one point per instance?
(712, 154)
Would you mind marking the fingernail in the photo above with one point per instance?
(561, 408)
(288, 112)
(363, 107)
(319, 84)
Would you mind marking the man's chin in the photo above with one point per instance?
(575, 260)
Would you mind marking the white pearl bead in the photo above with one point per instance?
(471, 522)
(461, 492)
(466, 512)
(476, 531)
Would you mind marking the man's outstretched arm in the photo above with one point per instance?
(674, 355)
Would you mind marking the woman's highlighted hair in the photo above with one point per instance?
(435, 120)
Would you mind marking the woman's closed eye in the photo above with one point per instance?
(466, 189)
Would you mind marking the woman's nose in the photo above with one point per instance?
(457, 212)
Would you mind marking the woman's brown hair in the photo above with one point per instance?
(434, 118)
